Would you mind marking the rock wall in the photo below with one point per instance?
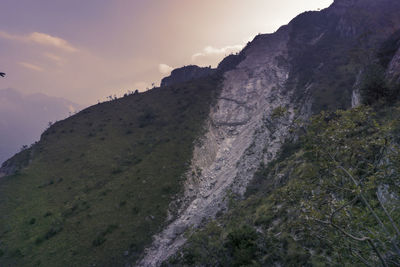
(281, 77)
(185, 74)
(247, 126)
(393, 72)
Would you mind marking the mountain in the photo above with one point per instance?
(24, 117)
(255, 163)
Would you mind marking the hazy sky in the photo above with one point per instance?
(85, 50)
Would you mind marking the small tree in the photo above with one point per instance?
(356, 157)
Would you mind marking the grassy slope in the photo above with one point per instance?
(100, 182)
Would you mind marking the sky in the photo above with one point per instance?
(86, 50)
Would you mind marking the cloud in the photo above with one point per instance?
(45, 39)
(8, 36)
(71, 109)
(165, 69)
(31, 66)
(58, 60)
(212, 55)
(41, 39)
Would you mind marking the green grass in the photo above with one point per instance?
(99, 183)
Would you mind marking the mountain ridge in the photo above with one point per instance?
(186, 73)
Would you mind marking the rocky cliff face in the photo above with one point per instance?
(187, 73)
(394, 68)
(303, 68)
(243, 131)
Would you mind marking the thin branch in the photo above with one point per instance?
(372, 211)
(361, 239)
(377, 252)
(349, 174)
(342, 207)
(388, 215)
(358, 255)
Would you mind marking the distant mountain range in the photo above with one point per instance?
(24, 117)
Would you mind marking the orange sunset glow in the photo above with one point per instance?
(87, 50)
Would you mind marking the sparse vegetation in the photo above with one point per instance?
(116, 163)
(279, 112)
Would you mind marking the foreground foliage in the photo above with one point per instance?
(331, 199)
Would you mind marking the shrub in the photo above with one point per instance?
(53, 231)
(39, 240)
(100, 239)
(279, 112)
(47, 214)
(242, 244)
(116, 171)
(135, 210)
(17, 253)
(146, 118)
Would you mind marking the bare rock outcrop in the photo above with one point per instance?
(393, 72)
(187, 73)
(276, 80)
(242, 132)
